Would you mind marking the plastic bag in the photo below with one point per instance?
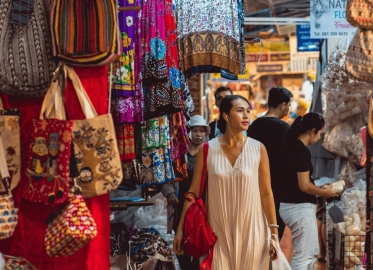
(281, 263)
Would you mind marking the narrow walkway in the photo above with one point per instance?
(287, 248)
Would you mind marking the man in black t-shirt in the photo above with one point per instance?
(219, 94)
(271, 131)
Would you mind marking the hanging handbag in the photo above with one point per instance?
(85, 33)
(17, 263)
(359, 13)
(27, 63)
(10, 134)
(359, 58)
(49, 153)
(8, 214)
(198, 236)
(72, 229)
(95, 146)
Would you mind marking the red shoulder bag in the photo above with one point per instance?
(198, 236)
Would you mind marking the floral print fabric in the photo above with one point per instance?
(156, 133)
(209, 37)
(156, 167)
(180, 140)
(124, 84)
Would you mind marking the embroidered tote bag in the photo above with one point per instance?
(49, 154)
(26, 65)
(10, 134)
(95, 146)
(73, 228)
(359, 58)
(85, 33)
(8, 214)
(359, 13)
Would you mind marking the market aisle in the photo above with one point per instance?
(287, 248)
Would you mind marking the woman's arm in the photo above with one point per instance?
(195, 186)
(306, 186)
(266, 190)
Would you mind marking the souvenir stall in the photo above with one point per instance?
(94, 120)
(346, 98)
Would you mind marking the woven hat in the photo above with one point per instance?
(198, 121)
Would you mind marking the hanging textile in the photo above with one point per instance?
(210, 37)
(161, 76)
(127, 99)
(124, 83)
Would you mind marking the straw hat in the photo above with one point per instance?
(198, 121)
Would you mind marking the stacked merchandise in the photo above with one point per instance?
(345, 106)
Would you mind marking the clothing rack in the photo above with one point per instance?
(120, 9)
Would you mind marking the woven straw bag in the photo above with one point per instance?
(359, 13)
(359, 59)
(26, 64)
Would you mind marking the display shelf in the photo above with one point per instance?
(123, 205)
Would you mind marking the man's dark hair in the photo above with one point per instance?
(278, 95)
(222, 89)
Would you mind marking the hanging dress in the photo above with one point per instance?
(210, 37)
(235, 210)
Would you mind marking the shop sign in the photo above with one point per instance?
(269, 68)
(304, 41)
(328, 19)
(253, 57)
(279, 46)
(279, 57)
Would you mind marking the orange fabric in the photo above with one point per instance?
(28, 238)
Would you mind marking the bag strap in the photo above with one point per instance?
(53, 106)
(86, 104)
(204, 169)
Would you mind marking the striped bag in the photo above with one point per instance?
(85, 33)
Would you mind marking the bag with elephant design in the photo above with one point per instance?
(95, 146)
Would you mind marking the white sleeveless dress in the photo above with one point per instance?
(235, 210)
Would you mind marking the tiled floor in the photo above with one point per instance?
(287, 248)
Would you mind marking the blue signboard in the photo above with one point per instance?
(305, 42)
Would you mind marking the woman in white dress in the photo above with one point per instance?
(241, 208)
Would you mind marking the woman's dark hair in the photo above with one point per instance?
(303, 124)
(225, 106)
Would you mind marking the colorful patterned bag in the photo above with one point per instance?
(85, 33)
(27, 63)
(95, 146)
(49, 154)
(17, 263)
(359, 13)
(10, 133)
(73, 228)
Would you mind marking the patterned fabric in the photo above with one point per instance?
(180, 139)
(156, 133)
(85, 32)
(130, 109)
(27, 64)
(124, 84)
(8, 214)
(241, 18)
(12, 262)
(209, 37)
(161, 77)
(22, 12)
(10, 134)
(130, 176)
(146, 243)
(129, 142)
(48, 165)
(188, 99)
(156, 167)
(71, 230)
(120, 235)
(180, 168)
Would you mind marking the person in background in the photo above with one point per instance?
(302, 108)
(298, 203)
(240, 203)
(198, 131)
(219, 94)
(270, 130)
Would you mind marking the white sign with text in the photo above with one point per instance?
(328, 19)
